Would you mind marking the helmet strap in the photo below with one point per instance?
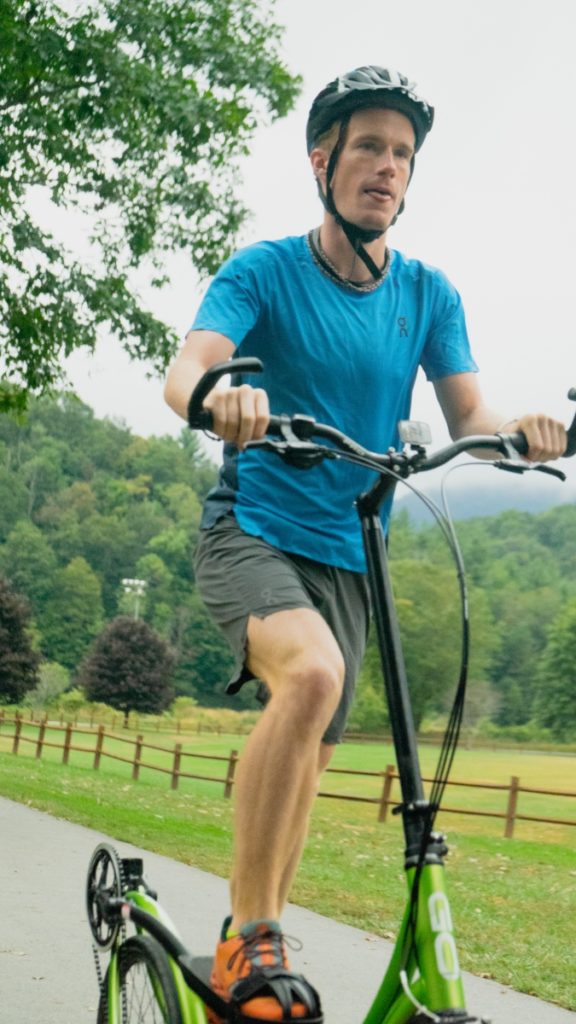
(355, 234)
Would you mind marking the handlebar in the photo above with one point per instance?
(295, 435)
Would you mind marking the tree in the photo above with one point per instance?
(28, 561)
(73, 616)
(18, 662)
(428, 608)
(555, 705)
(523, 618)
(130, 668)
(13, 501)
(131, 114)
(205, 663)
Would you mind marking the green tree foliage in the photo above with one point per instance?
(53, 681)
(124, 506)
(130, 114)
(29, 562)
(428, 606)
(119, 506)
(130, 668)
(204, 664)
(18, 661)
(74, 614)
(556, 695)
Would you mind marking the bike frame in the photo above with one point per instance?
(192, 1007)
(432, 972)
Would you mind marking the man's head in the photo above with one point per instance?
(347, 106)
(369, 86)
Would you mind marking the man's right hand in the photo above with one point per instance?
(240, 414)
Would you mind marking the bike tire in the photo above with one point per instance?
(147, 990)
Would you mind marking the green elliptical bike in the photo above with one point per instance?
(151, 977)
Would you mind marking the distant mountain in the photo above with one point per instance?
(483, 491)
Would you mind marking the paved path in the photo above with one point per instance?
(47, 973)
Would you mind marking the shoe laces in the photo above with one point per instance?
(264, 942)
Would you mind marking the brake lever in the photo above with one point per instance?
(515, 466)
(541, 468)
(301, 454)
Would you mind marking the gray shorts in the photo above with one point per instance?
(239, 575)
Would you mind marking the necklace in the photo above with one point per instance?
(327, 267)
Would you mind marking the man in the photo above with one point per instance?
(341, 324)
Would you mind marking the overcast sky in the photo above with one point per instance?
(492, 202)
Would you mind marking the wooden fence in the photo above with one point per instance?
(12, 728)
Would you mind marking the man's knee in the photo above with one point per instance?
(297, 656)
(319, 679)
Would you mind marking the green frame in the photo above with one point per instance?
(191, 1006)
(433, 974)
(433, 969)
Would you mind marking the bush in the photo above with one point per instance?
(53, 681)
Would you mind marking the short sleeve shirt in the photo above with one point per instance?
(346, 358)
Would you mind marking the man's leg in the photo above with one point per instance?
(326, 751)
(296, 654)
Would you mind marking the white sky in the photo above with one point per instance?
(492, 202)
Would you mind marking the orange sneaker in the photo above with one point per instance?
(252, 971)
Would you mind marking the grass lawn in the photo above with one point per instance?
(514, 901)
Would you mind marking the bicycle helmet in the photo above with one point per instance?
(365, 87)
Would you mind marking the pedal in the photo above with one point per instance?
(197, 971)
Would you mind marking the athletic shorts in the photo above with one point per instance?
(239, 575)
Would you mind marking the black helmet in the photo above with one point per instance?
(364, 88)
(369, 86)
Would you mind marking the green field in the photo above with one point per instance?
(536, 770)
(514, 901)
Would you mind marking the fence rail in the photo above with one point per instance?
(13, 728)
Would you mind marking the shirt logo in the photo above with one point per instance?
(403, 326)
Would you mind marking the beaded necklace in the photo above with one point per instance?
(324, 263)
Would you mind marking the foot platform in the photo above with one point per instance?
(285, 986)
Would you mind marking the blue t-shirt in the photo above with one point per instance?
(349, 359)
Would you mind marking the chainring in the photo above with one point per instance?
(105, 880)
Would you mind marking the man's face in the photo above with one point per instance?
(373, 169)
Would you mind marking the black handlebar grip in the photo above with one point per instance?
(201, 419)
(519, 443)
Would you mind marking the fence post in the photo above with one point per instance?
(137, 758)
(176, 765)
(41, 733)
(98, 748)
(67, 743)
(511, 809)
(386, 790)
(17, 731)
(232, 762)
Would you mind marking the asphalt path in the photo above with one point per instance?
(47, 972)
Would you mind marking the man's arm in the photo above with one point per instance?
(466, 413)
(240, 414)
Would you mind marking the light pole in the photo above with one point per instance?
(135, 589)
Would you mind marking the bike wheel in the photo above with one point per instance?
(147, 990)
